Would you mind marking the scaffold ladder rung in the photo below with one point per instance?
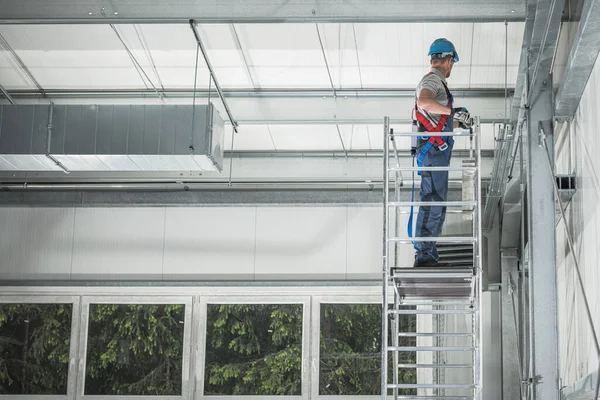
(450, 274)
(434, 334)
(434, 312)
(402, 397)
(431, 348)
(457, 132)
(431, 386)
(430, 366)
(432, 203)
(432, 169)
(442, 239)
(433, 303)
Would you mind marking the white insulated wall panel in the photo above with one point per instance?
(197, 243)
(301, 243)
(210, 243)
(118, 243)
(583, 215)
(36, 243)
(567, 313)
(365, 246)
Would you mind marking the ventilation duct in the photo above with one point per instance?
(111, 138)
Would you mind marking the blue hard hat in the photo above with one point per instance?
(442, 48)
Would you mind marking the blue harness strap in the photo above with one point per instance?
(424, 150)
(412, 198)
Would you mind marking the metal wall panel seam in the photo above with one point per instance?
(346, 244)
(255, 240)
(164, 243)
(73, 242)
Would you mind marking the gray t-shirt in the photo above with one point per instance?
(433, 82)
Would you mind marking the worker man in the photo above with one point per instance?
(435, 113)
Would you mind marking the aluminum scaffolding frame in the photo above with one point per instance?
(436, 293)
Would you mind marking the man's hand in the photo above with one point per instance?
(463, 117)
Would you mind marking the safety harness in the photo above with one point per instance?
(429, 127)
(431, 141)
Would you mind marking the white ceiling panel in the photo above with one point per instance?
(266, 56)
(284, 55)
(342, 55)
(389, 54)
(356, 137)
(305, 137)
(167, 53)
(396, 54)
(250, 138)
(225, 55)
(489, 54)
(73, 56)
(11, 75)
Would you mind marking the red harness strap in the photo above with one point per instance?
(440, 125)
(425, 122)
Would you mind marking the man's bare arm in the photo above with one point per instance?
(426, 102)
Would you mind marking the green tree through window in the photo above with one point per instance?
(35, 342)
(135, 349)
(253, 349)
(350, 350)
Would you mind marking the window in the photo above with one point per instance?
(35, 342)
(350, 350)
(254, 349)
(135, 349)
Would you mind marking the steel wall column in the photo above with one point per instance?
(511, 375)
(492, 344)
(542, 241)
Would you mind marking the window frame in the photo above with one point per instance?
(249, 298)
(316, 343)
(75, 302)
(186, 385)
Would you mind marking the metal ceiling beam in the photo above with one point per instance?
(244, 53)
(335, 154)
(195, 196)
(582, 59)
(540, 38)
(247, 173)
(258, 92)
(261, 11)
(296, 110)
(5, 94)
(136, 64)
(6, 46)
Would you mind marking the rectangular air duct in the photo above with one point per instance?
(111, 138)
